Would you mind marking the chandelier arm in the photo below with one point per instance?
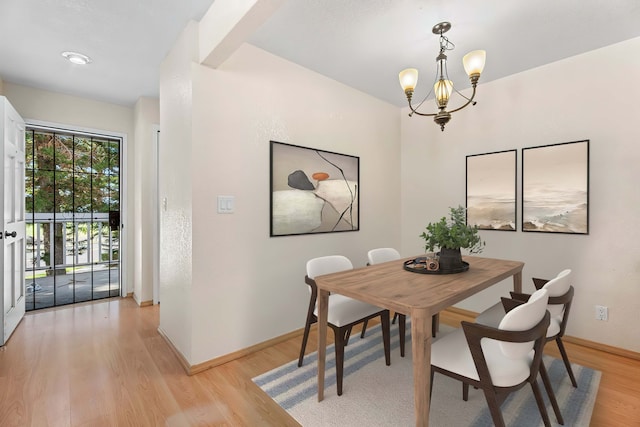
(470, 100)
(428, 94)
(458, 92)
(415, 111)
(423, 100)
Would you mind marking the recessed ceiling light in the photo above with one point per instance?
(77, 58)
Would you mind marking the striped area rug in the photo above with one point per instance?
(378, 395)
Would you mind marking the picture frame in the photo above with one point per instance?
(491, 190)
(312, 191)
(555, 188)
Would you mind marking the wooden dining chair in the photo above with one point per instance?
(343, 313)
(500, 360)
(560, 299)
(378, 256)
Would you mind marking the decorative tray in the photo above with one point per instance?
(419, 265)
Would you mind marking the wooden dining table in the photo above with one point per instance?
(389, 285)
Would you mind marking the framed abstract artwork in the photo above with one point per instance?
(313, 191)
(491, 190)
(555, 188)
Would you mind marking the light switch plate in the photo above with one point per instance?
(226, 204)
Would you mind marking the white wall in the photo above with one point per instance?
(247, 287)
(591, 96)
(146, 116)
(55, 107)
(175, 192)
(82, 113)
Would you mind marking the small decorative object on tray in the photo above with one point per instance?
(430, 265)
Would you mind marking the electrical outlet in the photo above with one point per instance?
(602, 312)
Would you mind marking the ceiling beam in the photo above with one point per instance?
(229, 23)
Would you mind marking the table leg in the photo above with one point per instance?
(517, 282)
(421, 349)
(323, 310)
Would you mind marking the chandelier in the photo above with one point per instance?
(473, 64)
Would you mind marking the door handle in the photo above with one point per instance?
(12, 234)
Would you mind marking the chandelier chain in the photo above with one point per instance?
(446, 44)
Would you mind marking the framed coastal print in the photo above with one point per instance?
(491, 190)
(313, 191)
(555, 188)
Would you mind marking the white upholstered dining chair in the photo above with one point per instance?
(500, 360)
(560, 298)
(343, 313)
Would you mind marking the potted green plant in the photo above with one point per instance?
(449, 236)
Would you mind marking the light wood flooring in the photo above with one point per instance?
(104, 364)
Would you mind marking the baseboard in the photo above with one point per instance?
(567, 338)
(602, 347)
(183, 361)
(200, 367)
(241, 353)
(141, 303)
(461, 312)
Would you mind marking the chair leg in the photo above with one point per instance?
(386, 336)
(395, 316)
(540, 403)
(431, 385)
(435, 324)
(339, 335)
(347, 337)
(465, 392)
(550, 393)
(364, 328)
(305, 336)
(565, 359)
(402, 327)
(494, 408)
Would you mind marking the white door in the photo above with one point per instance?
(13, 218)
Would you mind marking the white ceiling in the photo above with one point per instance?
(362, 43)
(127, 40)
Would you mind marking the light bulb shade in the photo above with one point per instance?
(408, 79)
(474, 62)
(442, 90)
